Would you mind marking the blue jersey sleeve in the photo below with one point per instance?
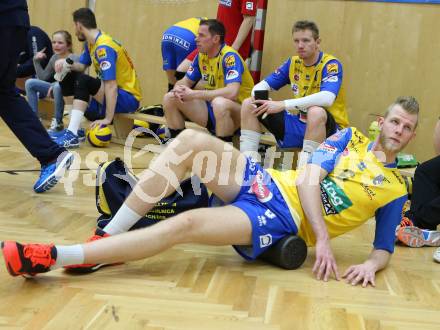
(332, 77)
(85, 56)
(327, 154)
(280, 77)
(193, 72)
(106, 58)
(387, 219)
(233, 68)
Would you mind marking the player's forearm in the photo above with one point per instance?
(378, 259)
(322, 99)
(243, 31)
(111, 97)
(310, 196)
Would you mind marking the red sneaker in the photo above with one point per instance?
(89, 268)
(28, 259)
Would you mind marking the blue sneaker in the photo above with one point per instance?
(56, 134)
(81, 135)
(68, 140)
(51, 173)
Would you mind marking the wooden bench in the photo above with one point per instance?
(123, 124)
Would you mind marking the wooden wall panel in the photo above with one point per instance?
(139, 25)
(53, 15)
(387, 50)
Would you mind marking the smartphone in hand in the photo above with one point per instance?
(261, 95)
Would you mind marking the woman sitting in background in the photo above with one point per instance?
(45, 85)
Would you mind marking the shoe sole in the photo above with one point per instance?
(9, 254)
(88, 270)
(413, 237)
(55, 177)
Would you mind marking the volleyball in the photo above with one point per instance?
(99, 136)
(141, 126)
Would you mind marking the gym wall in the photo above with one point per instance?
(387, 49)
(54, 15)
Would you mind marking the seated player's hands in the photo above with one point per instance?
(183, 93)
(267, 106)
(104, 121)
(325, 263)
(364, 273)
(40, 55)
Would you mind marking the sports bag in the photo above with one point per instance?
(114, 182)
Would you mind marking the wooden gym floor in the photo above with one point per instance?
(192, 286)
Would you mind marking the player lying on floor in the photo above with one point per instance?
(348, 180)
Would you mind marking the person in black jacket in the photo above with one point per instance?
(14, 110)
(25, 66)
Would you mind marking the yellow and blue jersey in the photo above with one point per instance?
(217, 72)
(111, 62)
(358, 187)
(325, 75)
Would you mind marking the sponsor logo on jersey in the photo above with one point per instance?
(105, 65)
(296, 77)
(190, 69)
(332, 68)
(101, 53)
(227, 3)
(307, 77)
(362, 166)
(176, 40)
(345, 174)
(295, 89)
(370, 193)
(260, 189)
(230, 61)
(232, 74)
(265, 240)
(327, 148)
(331, 79)
(249, 5)
(336, 198)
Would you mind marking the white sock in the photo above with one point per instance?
(123, 220)
(249, 142)
(68, 255)
(75, 120)
(309, 147)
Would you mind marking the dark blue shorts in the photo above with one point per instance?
(295, 129)
(269, 214)
(177, 44)
(125, 103)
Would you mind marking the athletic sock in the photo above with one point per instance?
(309, 148)
(249, 143)
(123, 220)
(68, 255)
(75, 120)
